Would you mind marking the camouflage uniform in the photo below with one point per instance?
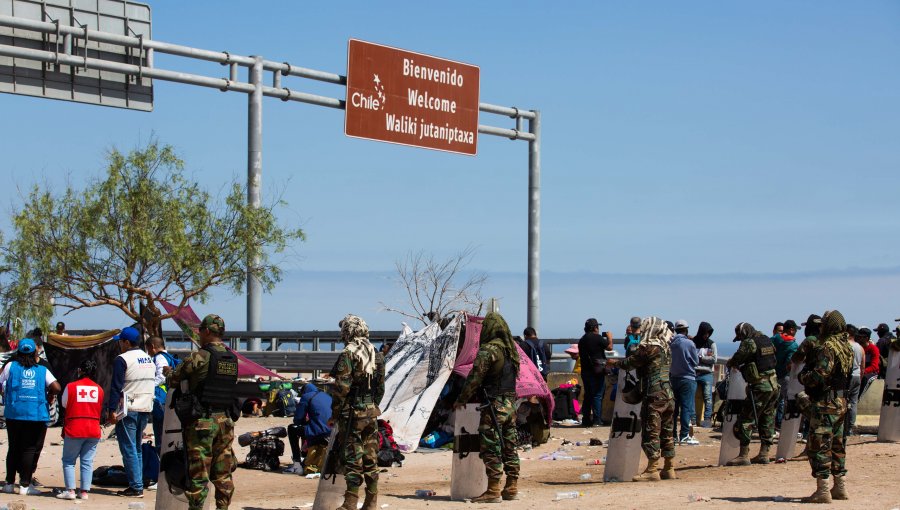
(764, 389)
(488, 365)
(208, 440)
(658, 406)
(826, 428)
(359, 454)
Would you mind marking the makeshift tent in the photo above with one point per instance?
(529, 384)
(188, 322)
(65, 353)
(416, 371)
(424, 372)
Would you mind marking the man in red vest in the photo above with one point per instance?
(83, 400)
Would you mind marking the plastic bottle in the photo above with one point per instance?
(585, 477)
(425, 493)
(137, 505)
(595, 462)
(568, 495)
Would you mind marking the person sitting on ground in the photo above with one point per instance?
(28, 389)
(83, 400)
(310, 424)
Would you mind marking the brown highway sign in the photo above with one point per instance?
(408, 98)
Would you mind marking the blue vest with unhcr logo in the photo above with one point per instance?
(26, 393)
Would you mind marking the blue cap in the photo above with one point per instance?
(26, 346)
(131, 335)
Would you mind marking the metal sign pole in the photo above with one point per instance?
(534, 222)
(254, 181)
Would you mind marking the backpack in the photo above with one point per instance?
(564, 403)
(388, 452)
(285, 403)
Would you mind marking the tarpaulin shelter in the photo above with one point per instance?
(189, 322)
(65, 353)
(529, 384)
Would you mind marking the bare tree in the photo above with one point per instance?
(435, 288)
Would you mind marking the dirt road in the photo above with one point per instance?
(874, 471)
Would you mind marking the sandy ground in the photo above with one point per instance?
(874, 472)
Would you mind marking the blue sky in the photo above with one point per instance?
(681, 142)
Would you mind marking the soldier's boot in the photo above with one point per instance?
(763, 456)
(651, 474)
(839, 491)
(668, 470)
(511, 491)
(743, 458)
(492, 494)
(350, 500)
(371, 501)
(821, 495)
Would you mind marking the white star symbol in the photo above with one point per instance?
(376, 79)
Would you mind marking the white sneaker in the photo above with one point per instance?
(29, 490)
(690, 440)
(151, 487)
(66, 495)
(313, 476)
(82, 495)
(9, 488)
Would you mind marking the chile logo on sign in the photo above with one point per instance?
(408, 98)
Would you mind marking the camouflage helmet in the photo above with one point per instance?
(214, 324)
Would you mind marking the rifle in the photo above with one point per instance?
(330, 467)
(487, 404)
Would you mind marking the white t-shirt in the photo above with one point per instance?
(857, 358)
(4, 376)
(160, 362)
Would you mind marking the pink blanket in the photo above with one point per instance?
(529, 383)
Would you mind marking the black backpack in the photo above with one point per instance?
(564, 403)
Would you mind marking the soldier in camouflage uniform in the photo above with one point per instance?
(495, 370)
(357, 390)
(825, 378)
(755, 358)
(211, 373)
(652, 359)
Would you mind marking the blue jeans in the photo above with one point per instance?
(73, 449)
(705, 383)
(684, 390)
(129, 433)
(592, 407)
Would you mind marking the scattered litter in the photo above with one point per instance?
(780, 460)
(596, 442)
(385, 505)
(137, 505)
(585, 477)
(425, 493)
(596, 462)
(568, 495)
(313, 476)
(304, 505)
(694, 497)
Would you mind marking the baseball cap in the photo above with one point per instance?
(812, 319)
(213, 323)
(788, 324)
(131, 335)
(882, 328)
(866, 332)
(591, 324)
(681, 324)
(635, 322)
(26, 346)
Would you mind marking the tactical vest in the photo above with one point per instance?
(658, 371)
(26, 393)
(501, 380)
(765, 354)
(217, 390)
(839, 380)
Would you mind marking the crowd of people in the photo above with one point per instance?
(839, 361)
